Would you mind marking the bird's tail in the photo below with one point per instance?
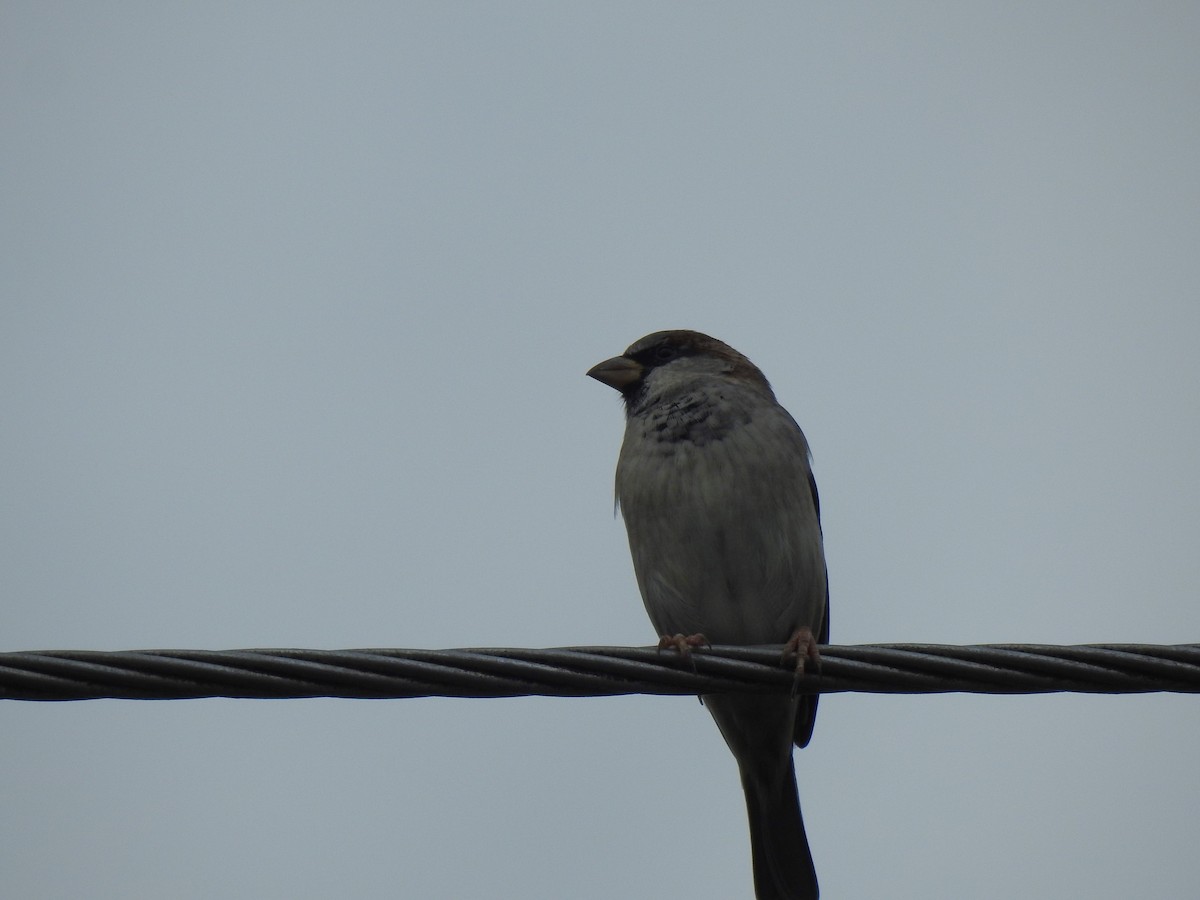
(783, 864)
(759, 730)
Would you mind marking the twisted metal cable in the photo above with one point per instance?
(595, 671)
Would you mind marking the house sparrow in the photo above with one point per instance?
(719, 501)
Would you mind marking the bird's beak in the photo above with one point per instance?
(618, 373)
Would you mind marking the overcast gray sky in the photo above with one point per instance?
(295, 306)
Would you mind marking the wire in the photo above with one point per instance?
(595, 671)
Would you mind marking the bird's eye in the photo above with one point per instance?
(664, 352)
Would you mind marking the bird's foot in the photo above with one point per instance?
(683, 643)
(803, 646)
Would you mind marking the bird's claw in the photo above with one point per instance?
(803, 646)
(684, 644)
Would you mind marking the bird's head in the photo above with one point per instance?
(665, 360)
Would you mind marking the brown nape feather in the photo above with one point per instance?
(663, 346)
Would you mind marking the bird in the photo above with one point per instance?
(715, 486)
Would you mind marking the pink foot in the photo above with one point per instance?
(803, 646)
(683, 643)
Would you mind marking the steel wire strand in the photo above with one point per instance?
(594, 671)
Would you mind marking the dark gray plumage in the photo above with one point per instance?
(723, 518)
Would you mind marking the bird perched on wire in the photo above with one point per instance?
(719, 501)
